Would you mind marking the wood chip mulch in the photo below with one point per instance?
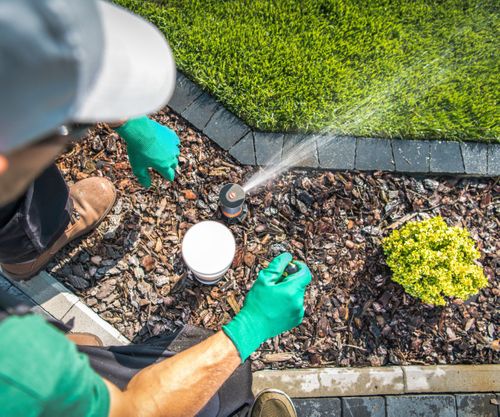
(131, 273)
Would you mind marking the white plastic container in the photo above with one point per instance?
(208, 250)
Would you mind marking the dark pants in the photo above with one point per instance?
(32, 223)
(119, 364)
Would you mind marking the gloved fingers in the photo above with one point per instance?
(142, 174)
(301, 278)
(167, 172)
(174, 159)
(274, 271)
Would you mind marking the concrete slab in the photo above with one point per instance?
(225, 129)
(494, 159)
(201, 111)
(476, 405)
(363, 407)
(49, 293)
(374, 154)
(317, 407)
(85, 320)
(411, 155)
(452, 378)
(244, 150)
(268, 148)
(305, 146)
(41, 312)
(332, 382)
(336, 152)
(184, 94)
(475, 157)
(421, 406)
(446, 158)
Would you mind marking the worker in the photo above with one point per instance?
(65, 64)
(49, 214)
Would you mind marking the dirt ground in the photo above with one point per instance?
(131, 273)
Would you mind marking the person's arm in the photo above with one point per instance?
(179, 386)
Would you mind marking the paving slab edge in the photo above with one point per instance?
(395, 380)
(417, 157)
(50, 298)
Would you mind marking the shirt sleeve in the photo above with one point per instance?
(42, 374)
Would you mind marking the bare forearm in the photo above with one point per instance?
(179, 386)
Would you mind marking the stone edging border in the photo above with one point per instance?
(396, 380)
(249, 147)
(47, 296)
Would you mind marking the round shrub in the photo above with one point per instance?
(432, 260)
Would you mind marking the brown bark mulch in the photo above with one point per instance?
(130, 270)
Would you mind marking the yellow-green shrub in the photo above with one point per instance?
(432, 260)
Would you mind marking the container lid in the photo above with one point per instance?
(208, 247)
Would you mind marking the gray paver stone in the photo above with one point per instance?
(475, 158)
(225, 128)
(336, 152)
(184, 94)
(411, 155)
(20, 296)
(4, 283)
(305, 145)
(446, 157)
(244, 150)
(318, 407)
(268, 148)
(201, 111)
(494, 159)
(374, 154)
(420, 406)
(363, 407)
(49, 293)
(476, 405)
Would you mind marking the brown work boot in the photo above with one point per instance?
(92, 199)
(272, 403)
(84, 339)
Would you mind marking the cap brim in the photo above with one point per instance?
(137, 73)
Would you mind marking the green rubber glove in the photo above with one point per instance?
(150, 145)
(273, 305)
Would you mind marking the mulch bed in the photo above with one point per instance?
(130, 270)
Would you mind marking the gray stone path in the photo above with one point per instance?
(48, 297)
(338, 153)
(458, 405)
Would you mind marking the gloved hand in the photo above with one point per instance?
(273, 305)
(150, 145)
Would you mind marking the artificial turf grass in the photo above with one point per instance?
(412, 69)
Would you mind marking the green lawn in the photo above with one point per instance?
(412, 69)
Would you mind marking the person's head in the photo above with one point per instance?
(68, 63)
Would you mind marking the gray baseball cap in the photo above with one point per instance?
(81, 61)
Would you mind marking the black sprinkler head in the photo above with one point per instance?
(232, 202)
